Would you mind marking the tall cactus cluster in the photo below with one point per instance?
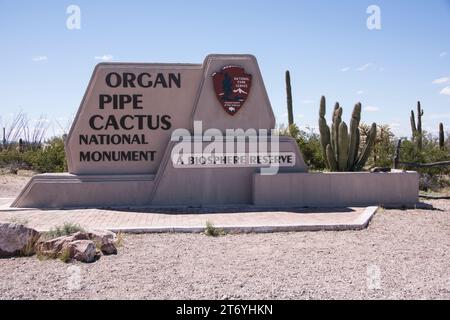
(417, 129)
(341, 146)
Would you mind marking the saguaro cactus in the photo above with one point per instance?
(341, 146)
(441, 136)
(289, 99)
(417, 130)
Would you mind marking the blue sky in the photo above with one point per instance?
(326, 45)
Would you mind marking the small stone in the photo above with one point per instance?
(108, 248)
(82, 250)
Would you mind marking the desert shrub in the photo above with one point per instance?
(433, 182)
(433, 178)
(50, 158)
(212, 231)
(429, 153)
(11, 157)
(120, 240)
(65, 255)
(384, 148)
(30, 248)
(309, 143)
(66, 229)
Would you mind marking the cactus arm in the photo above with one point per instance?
(413, 123)
(419, 117)
(333, 121)
(324, 129)
(358, 141)
(353, 147)
(343, 147)
(370, 141)
(419, 125)
(330, 158)
(337, 122)
(323, 107)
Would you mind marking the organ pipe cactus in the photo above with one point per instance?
(341, 144)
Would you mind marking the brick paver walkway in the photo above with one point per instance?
(238, 219)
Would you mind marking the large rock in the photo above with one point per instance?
(82, 250)
(104, 240)
(81, 246)
(52, 248)
(16, 239)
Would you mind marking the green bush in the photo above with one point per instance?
(409, 152)
(384, 148)
(309, 143)
(49, 158)
(12, 156)
(66, 229)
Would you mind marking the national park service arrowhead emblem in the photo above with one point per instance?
(232, 86)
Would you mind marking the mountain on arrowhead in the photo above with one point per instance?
(239, 90)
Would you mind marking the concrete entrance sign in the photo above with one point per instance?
(193, 134)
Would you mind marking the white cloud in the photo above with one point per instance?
(443, 54)
(364, 67)
(307, 101)
(105, 57)
(360, 92)
(446, 91)
(371, 109)
(441, 80)
(395, 125)
(40, 58)
(345, 69)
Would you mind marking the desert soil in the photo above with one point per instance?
(403, 254)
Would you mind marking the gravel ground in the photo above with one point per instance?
(402, 255)
(12, 184)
